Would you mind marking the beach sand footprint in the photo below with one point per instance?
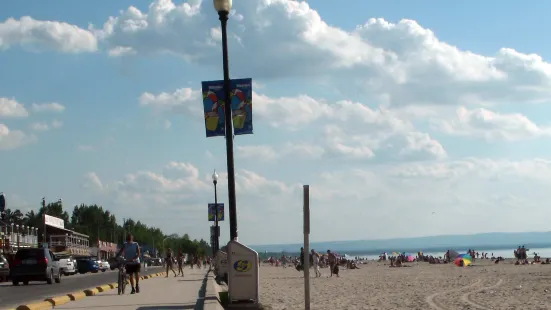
(436, 305)
(466, 298)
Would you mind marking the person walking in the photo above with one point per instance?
(131, 251)
(169, 262)
(316, 261)
(180, 261)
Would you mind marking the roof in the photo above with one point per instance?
(72, 232)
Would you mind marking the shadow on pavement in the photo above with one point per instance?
(190, 280)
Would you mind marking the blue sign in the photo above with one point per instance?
(214, 106)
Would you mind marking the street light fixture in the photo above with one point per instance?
(216, 227)
(223, 8)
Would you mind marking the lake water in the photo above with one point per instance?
(508, 253)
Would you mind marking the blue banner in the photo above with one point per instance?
(214, 107)
(212, 212)
(242, 106)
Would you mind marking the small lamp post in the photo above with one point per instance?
(216, 229)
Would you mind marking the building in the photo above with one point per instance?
(62, 240)
(14, 237)
(104, 250)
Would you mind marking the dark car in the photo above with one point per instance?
(87, 265)
(34, 265)
(4, 268)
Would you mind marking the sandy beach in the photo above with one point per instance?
(485, 285)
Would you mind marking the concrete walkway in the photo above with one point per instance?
(156, 293)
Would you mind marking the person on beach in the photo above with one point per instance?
(316, 261)
(169, 262)
(332, 262)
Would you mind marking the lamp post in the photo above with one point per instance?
(223, 8)
(216, 229)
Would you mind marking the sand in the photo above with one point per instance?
(421, 286)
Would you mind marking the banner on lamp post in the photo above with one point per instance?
(212, 211)
(214, 107)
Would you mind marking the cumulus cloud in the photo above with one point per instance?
(458, 190)
(12, 108)
(44, 126)
(48, 107)
(490, 125)
(12, 139)
(39, 35)
(399, 64)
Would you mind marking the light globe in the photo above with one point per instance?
(222, 5)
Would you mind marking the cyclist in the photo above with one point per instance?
(131, 255)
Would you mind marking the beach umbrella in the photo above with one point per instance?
(453, 254)
(463, 260)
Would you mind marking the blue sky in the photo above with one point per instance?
(387, 123)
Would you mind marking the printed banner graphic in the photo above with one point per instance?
(212, 212)
(214, 107)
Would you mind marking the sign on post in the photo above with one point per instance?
(243, 273)
(214, 107)
(212, 212)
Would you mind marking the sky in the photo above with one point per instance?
(405, 118)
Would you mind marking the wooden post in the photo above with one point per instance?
(306, 266)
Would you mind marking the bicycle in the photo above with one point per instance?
(121, 282)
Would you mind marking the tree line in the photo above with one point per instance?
(100, 223)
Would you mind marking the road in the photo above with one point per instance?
(13, 296)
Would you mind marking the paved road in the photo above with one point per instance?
(13, 296)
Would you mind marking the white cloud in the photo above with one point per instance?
(47, 107)
(472, 190)
(483, 123)
(12, 108)
(43, 126)
(39, 35)
(12, 139)
(399, 64)
(184, 100)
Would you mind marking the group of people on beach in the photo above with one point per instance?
(317, 261)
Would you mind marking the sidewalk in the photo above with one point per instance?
(156, 293)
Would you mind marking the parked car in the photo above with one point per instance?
(4, 269)
(67, 266)
(103, 265)
(34, 264)
(86, 265)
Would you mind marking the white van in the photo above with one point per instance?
(67, 265)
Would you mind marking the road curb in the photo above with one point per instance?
(36, 306)
(75, 296)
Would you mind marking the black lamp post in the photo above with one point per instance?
(223, 8)
(216, 229)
